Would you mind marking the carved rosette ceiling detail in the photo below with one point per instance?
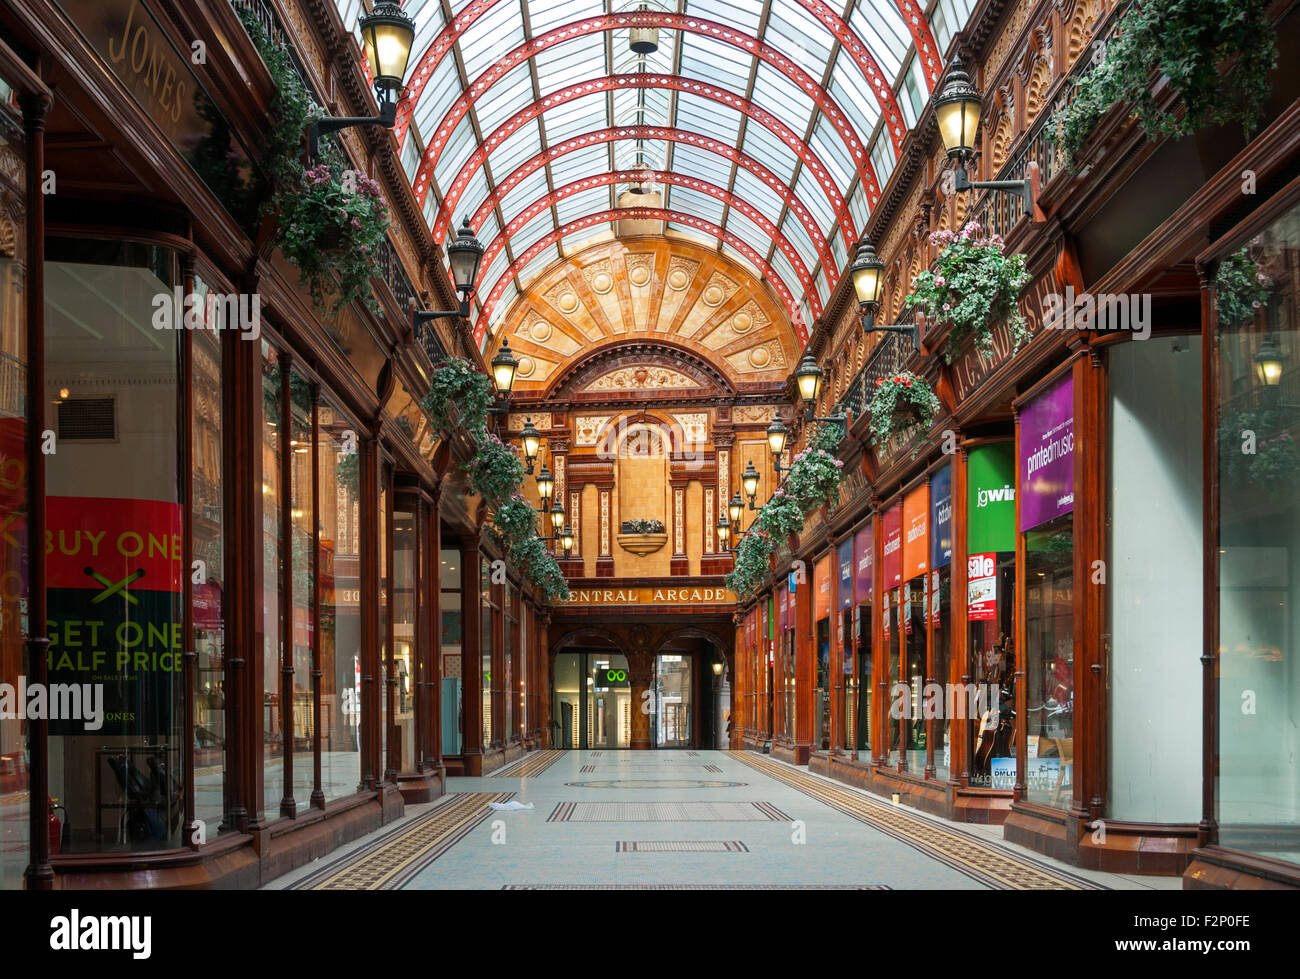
(641, 378)
(705, 304)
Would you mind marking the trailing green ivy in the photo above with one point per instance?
(332, 220)
(813, 480)
(458, 398)
(495, 473)
(1187, 41)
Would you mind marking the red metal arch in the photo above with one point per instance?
(912, 13)
(608, 135)
(544, 202)
(635, 80)
(682, 22)
(640, 214)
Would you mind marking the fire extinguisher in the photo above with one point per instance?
(53, 826)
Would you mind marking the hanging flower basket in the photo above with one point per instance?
(900, 402)
(974, 286)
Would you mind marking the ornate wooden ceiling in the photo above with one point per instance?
(643, 293)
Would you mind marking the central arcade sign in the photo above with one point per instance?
(653, 595)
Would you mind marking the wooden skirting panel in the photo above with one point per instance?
(990, 810)
(1046, 835)
(416, 789)
(1214, 869)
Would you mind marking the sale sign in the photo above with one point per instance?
(981, 587)
(114, 607)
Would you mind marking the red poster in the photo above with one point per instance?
(982, 587)
(102, 542)
(822, 589)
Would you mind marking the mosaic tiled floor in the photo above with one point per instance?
(680, 846)
(529, 765)
(758, 825)
(398, 855)
(666, 812)
(989, 864)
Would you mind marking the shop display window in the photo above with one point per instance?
(450, 642)
(1258, 371)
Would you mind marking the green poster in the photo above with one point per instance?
(991, 499)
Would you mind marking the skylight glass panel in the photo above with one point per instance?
(679, 230)
(412, 153)
(474, 194)
(427, 15)
(708, 117)
(490, 228)
(765, 147)
(858, 208)
(530, 232)
(823, 288)
(785, 271)
(493, 272)
(438, 96)
(576, 240)
(570, 119)
(882, 157)
(747, 231)
(628, 106)
(508, 296)
(795, 233)
(627, 152)
(810, 192)
(521, 145)
(700, 163)
(497, 31)
(698, 205)
(882, 29)
(743, 260)
(528, 190)
(570, 62)
(838, 252)
(430, 209)
(504, 99)
(538, 264)
(716, 61)
(552, 13)
(659, 61)
(571, 166)
(349, 11)
(783, 98)
(455, 153)
(800, 36)
(744, 14)
(590, 201)
(750, 188)
(831, 149)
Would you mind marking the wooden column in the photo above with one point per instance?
(959, 662)
(880, 715)
(39, 875)
(640, 667)
(835, 679)
(1091, 444)
(471, 658)
(542, 678)
(804, 669)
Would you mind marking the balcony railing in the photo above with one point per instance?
(997, 213)
(887, 357)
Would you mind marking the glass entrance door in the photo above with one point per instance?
(593, 701)
(673, 721)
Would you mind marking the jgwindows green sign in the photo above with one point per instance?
(991, 499)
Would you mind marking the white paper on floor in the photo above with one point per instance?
(510, 806)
